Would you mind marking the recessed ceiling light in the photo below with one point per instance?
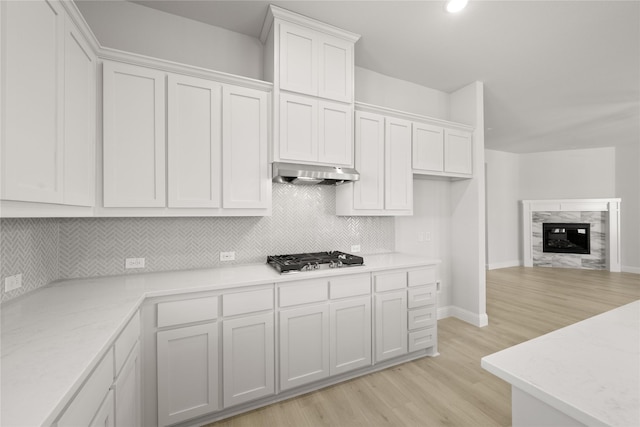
(454, 6)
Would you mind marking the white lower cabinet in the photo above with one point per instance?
(127, 392)
(105, 417)
(187, 360)
(391, 324)
(350, 334)
(304, 345)
(248, 358)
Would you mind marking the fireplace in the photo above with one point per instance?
(566, 238)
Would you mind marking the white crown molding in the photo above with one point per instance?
(376, 109)
(275, 12)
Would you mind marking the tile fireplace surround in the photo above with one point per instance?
(603, 213)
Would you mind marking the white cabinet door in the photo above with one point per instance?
(127, 392)
(398, 172)
(428, 147)
(79, 119)
(187, 372)
(248, 358)
(194, 142)
(134, 136)
(304, 345)
(245, 170)
(32, 82)
(298, 59)
(391, 325)
(368, 192)
(298, 128)
(105, 417)
(350, 334)
(458, 152)
(335, 140)
(335, 68)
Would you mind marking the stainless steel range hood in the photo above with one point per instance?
(289, 173)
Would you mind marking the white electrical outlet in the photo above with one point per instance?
(12, 282)
(134, 263)
(227, 256)
(427, 236)
(421, 236)
(355, 248)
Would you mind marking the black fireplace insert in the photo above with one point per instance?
(566, 238)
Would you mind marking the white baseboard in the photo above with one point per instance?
(504, 264)
(479, 320)
(628, 269)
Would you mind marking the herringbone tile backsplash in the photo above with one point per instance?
(303, 219)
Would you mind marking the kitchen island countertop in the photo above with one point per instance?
(53, 337)
(589, 371)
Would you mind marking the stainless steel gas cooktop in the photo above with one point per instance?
(313, 261)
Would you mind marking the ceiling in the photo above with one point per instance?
(557, 74)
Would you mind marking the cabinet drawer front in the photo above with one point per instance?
(247, 302)
(187, 311)
(350, 286)
(303, 292)
(419, 297)
(390, 281)
(126, 341)
(424, 276)
(422, 339)
(88, 400)
(422, 317)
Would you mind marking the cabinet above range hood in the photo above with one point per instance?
(290, 173)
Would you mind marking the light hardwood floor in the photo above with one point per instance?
(452, 389)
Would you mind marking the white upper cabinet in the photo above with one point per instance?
(428, 147)
(457, 152)
(298, 128)
(368, 192)
(134, 136)
(246, 181)
(48, 103)
(335, 69)
(79, 119)
(398, 174)
(194, 142)
(315, 131)
(383, 159)
(299, 59)
(442, 151)
(315, 63)
(335, 138)
(217, 135)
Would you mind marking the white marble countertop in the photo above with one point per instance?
(52, 338)
(589, 370)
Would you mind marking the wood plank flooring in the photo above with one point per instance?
(452, 389)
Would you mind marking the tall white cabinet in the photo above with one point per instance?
(312, 67)
(48, 106)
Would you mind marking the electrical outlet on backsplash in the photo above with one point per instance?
(303, 220)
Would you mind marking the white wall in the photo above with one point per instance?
(428, 231)
(468, 215)
(134, 28)
(570, 174)
(628, 189)
(377, 89)
(503, 217)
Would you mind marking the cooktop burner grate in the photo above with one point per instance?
(313, 261)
